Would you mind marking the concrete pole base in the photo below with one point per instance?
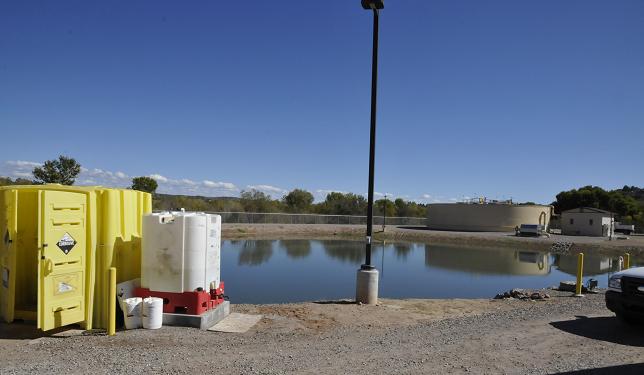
(367, 286)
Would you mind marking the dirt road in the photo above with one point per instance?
(398, 336)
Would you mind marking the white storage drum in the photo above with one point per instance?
(132, 312)
(152, 313)
(180, 251)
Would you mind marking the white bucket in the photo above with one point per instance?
(152, 313)
(132, 312)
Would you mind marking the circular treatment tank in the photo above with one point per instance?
(488, 217)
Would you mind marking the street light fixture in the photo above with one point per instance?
(367, 280)
(372, 4)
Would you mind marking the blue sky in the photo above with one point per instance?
(517, 99)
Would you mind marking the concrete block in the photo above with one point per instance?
(236, 323)
(203, 321)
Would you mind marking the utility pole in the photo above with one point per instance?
(367, 279)
(384, 214)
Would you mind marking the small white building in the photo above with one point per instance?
(587, 221)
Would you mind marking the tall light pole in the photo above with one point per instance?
(367, 281)
(384, 214)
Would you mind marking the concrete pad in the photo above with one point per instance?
(203, 321)
(236, 323)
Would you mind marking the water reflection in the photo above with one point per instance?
(326, 270)
(593, 264)
(402, 250)
(487, 261)
(254, 253)
(296, 248)
(473, 260)
(346, 251)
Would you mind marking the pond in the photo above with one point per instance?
(277, 271)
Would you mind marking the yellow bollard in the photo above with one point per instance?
(580, 273)
(111, 314)
(627, 261)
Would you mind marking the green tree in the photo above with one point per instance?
(596, 197)
(229, 205)
(403, 208)
(298, 200)
(343, 204)
(144, 183)
(384, 205)
(258, 201)
(63, 171)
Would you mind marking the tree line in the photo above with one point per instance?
(65, 170)
(626, 203)
(296, 201)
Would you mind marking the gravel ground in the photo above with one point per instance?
(397, 336)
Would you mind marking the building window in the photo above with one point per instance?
(572, 221)
(590, 222)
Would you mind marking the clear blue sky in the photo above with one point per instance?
(505, 99)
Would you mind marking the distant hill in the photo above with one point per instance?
(196, 203)
(170, 196)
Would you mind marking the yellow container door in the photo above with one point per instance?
(8, 231)
(62, 263)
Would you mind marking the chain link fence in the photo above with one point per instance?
(280, 218)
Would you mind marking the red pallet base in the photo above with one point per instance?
(192, 303)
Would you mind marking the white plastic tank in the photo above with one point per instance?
(152, 316)
(180, 251)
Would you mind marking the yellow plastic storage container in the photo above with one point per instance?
(58, 243)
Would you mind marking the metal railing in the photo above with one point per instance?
(283, 218)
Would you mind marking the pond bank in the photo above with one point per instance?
(556, 243)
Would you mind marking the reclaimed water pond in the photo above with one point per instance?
(279, 271)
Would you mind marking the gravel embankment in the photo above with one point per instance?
(399, 336)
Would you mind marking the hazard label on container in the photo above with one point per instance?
(64, 288)
(66, 244)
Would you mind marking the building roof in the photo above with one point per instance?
(587, 210)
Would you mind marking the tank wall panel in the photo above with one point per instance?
(485, 217)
